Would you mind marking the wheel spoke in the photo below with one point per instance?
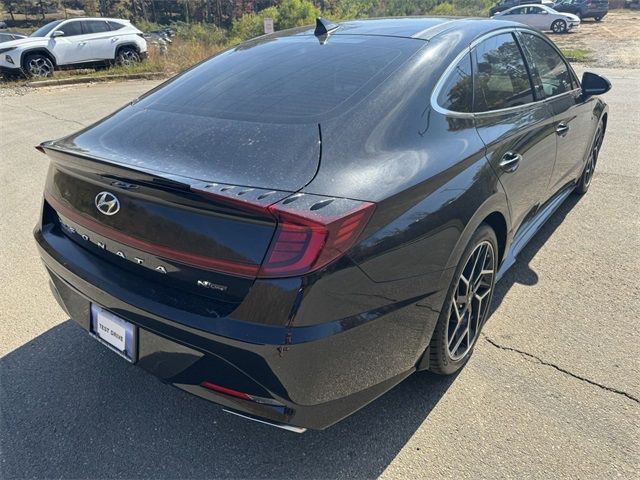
(460, 339)
(469, 301)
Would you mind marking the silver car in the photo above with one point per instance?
(541, 17)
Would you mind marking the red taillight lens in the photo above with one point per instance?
(303, 243)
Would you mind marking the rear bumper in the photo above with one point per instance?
(313, 376)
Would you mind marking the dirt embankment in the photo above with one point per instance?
(614, 42)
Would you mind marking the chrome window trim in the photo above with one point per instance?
(467, 51)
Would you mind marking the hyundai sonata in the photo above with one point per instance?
(297, 224)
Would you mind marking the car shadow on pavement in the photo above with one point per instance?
(73, 409)
(520, 272)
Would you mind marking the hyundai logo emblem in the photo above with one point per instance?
(107, 203)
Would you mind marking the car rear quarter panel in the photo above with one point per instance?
(426, 170)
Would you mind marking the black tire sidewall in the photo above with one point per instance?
(439, 360)
(582, 185)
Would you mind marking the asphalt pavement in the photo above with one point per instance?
(553, 388)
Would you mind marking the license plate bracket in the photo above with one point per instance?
(114, 332)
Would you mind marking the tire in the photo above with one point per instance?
(597, 19)
(127, 56)
(559, 26)
(472, 287)
(587, 174)
(38, 65)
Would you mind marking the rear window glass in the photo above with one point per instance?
(457, 92)
(285, 79)
(115, 25)
(95, 26)
(501, 78)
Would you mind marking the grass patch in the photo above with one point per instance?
(577, 54)
(180, 55)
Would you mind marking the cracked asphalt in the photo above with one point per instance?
(552, 390)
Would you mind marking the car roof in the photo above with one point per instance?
(424, 28)
(110, 19)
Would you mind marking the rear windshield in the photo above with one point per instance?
(285, 79)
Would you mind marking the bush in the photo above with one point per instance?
(444, 9)
(251, 25)
(296, 13)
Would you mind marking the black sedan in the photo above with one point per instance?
(297, 224)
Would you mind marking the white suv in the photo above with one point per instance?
(71, 44)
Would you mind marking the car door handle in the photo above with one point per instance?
(562, 129)
(82, 44)
(510, 162)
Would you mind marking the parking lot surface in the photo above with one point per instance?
(552, 389)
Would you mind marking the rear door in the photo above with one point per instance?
(538, 18)
(517, 130)
(98, 40)
(573, 122)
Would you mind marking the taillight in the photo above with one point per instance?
(305, 241)
(311, 230)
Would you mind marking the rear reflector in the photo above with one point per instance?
(226, 391)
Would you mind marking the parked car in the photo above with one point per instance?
(541, 17)
(8, 36)
(74, 43)
(297, 224)
(506, 4)
(3, 25)
(595, 9)
(632, 4)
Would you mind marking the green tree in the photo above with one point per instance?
(251, 25)
(295, 13)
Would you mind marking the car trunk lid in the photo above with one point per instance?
(208, 238)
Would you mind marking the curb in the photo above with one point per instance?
(103, 78)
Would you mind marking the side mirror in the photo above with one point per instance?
(593, 84)
(57, 33)
(544, 12)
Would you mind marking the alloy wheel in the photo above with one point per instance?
(128, 57)
(39, 67)
(559, 26)
(470, 300)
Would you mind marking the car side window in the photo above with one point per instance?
(550, 68)
(95, 26)
(70, 29)
(456, 94)
(500, 76)
(115, 25)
